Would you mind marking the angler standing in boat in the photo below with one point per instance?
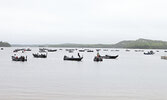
(98, 55)
(98, 58)
(79, 55)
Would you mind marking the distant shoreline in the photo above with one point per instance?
(129, 44)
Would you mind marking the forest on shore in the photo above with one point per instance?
(4, 44)
(131, 44)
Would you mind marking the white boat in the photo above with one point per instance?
(164, 57)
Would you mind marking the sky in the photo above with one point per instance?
(81, 21)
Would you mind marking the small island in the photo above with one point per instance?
(4, 44)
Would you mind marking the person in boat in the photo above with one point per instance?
(15, 56)
(22, 57)
(98, 55)
(79, 55)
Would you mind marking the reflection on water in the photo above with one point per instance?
(133, 76)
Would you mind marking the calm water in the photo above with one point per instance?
(133, 76)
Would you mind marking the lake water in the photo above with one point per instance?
(132, 76)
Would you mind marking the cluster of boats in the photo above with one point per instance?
(43, 54)
(23, 50)
(47, 50)
(79, 58)
(80, 50)
(96, 58)
(39, 55)
(24, 58)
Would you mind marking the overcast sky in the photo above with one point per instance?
(82, 21)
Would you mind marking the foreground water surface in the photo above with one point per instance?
(132, 76)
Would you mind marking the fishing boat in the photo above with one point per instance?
(37, 55)
(21, 58)
(149, 53)
(139, 50)
(90, 51)
(105, 49)
(164, 57)
(81, 50)
(70, 50)
(28, 49)
(16, 50)
(109, 57)
(98, 50)
(42, 49)
(127, 50)
(72, 58)
(50, 50)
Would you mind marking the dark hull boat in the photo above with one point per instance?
(127, 50)
(149, 53)
(97, 59)
(42, 50)
(40, 55)
(22, 58)
(90, 51)
(81, 50)
(52, 50)
(28, 49)
(70, 51)
(16, 50)
(72, 59)
(109, 57)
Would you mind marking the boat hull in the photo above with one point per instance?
(72, 59)
(109, 57)
(40, 56)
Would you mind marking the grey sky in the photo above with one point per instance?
(82, 21)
